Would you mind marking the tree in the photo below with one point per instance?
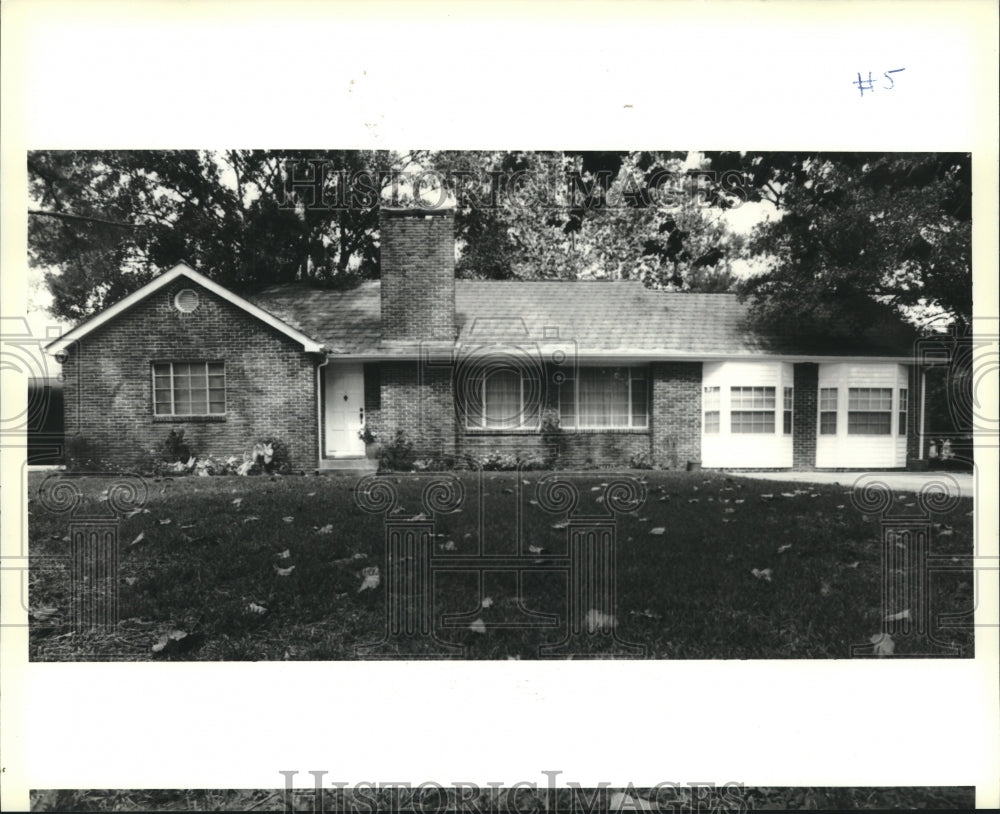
(583, 214)
(858, 236)
(106, 222)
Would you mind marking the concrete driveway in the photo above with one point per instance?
(900, 481)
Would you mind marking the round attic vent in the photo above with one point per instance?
(186, 300)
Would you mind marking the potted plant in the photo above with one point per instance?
(371, 448)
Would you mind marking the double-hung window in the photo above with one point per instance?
(902, 411)
(828, 411)
(869, 411)
(711, 403)
(751, 409)
(605, 398)
(189, 388)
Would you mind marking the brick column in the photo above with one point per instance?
(804, 416)
(676, 414)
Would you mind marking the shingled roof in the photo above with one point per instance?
(620, 318)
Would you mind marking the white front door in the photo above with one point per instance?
(345, 409)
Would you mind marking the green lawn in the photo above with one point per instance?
(214, 571)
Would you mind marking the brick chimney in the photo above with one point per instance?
(418, 274)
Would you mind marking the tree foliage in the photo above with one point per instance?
(569, 215)
(103, 223)
(858, 236)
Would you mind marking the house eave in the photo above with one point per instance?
(416, 352)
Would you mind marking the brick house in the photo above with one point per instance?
(467, 367)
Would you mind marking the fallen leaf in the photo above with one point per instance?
(728, 511)
(448, 546)
(237, 502)
(288, 519)
(371, 578)
(284, 555)
(189, 526)
(896, 617)
(359, 556)
(840, 505)
(764, 573)
(658, 530)
(767, 497)
(561, 524)
(284, 572)
(139, 539)
(825, 589)
(327, 529)
(739, 500)
(788, 494)
(167, 638)
(131, 580)
(946, 531)
(535, 549)
(44, 614)
(311, 494)
(784, 548)
(884, 645)
(854, 564)
(487, 602)
(692, 500)
(255, 608)
(479, 626)
(250, 518)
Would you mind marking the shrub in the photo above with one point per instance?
(270, 456)
(175, 448)
(640, 460)
(552, 438)
(396, 456)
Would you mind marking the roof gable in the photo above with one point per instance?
(181, 270)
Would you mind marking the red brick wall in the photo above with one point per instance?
(416, 399)
(417, 260)
(270, 381)
(805, 416)
(676, 413)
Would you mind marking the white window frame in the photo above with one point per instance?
(774, 410)
(711, 399)
(835, 411)
(890, 412)
(173, 400)
(635, 372)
